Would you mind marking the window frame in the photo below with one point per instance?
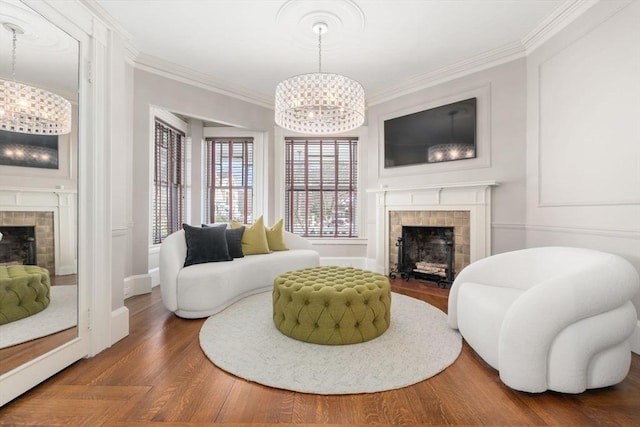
(260, 190)
(279, 181)
(172, 121)
(247, 167)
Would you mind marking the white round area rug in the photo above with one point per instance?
(61, 314)
(243, 341)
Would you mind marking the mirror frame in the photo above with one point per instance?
(94, 229)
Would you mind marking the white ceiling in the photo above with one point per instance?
(45, 55)
(247, 46)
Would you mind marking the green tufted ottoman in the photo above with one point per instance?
(24, 290)
(332, 305)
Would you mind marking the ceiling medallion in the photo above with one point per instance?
(28, 109)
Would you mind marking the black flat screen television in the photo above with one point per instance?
(440, 134)
(27, 150)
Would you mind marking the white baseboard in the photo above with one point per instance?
(119, 324)
(155, 276)
(356, 262)
(635, 340)
(137, 285)
(370, 264)
(64, 270)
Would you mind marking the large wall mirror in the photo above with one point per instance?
(39, 70)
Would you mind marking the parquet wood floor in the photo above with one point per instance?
(159, 376)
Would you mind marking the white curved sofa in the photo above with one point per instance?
(549, 318)
(201, 290)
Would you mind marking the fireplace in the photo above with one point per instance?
(28, 238)
(18, 245)
(464, 206)
(426, 253)
(421, 228)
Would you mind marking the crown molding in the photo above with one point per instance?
(472, 65)
(186, 75)
(173, 71)
(130, 51)
(104, 16)
(554, 23)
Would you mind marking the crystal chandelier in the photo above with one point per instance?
(319, 103)
(452, 150)
(28, 109)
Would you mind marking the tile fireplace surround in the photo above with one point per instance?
(43, 225)
(465, 206)
(53, 214)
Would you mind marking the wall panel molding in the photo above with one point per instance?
(587, 117)
(622, 233)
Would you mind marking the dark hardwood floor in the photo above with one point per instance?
(159, 375)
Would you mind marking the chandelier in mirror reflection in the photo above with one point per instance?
(452, 151)
(34, 151)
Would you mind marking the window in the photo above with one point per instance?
(168, 181)
(229, 179)
(321, 186)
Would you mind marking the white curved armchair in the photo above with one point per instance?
(549, 318)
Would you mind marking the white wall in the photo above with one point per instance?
(583, 134)
(191, 101)
(120, 135)
(501, 153)
(196, 134)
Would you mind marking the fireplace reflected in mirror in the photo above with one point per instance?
(28, 239)
(18, 245)
(36, 315)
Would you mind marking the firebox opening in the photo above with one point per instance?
(18, 245)
(427, 253)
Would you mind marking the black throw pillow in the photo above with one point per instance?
(206, 244)
(234, 241)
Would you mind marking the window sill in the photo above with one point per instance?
(338, 241)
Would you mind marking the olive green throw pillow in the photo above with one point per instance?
(254, 239)
(275, 236)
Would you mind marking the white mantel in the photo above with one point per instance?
(474, 197)
(63, 203)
